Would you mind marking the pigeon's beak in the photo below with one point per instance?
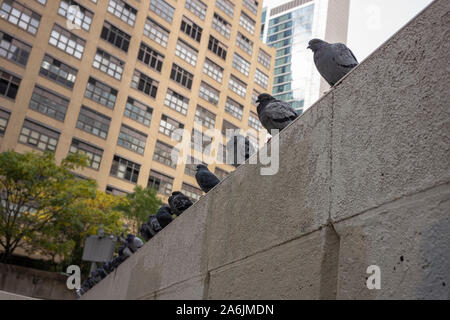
(309, 47)
(257, 101)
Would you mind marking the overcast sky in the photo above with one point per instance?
(372, 22)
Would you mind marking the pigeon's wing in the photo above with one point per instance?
(277, 114)
(343, 56)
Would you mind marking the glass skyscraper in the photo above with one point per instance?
(289, 27)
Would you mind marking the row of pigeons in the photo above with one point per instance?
(178, 203)
(129, 245)
(333, 61)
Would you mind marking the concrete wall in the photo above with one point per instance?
(364, 180)
(34, 283)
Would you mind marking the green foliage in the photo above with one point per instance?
(139, 205)
(36, 194)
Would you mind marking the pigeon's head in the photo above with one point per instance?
(264, 98)
(176, 193)
(201, 166)
(315, 44)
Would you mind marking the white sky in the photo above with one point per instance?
(372, 22)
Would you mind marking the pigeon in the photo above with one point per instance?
(205, 178)
(149, 229)
(178, 202)
(239, 149)
(273, 113)
(333, 60)
(164, 216)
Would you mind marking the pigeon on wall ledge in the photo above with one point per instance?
(205, 178)
(273, 113)
(178, 202)
(333, 60)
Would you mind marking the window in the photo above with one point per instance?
(251, 5)
(226, 6)
(261, 78)
(123, 11)
(196, 7)
(9, 85)
(150, 57)
(162, 183)
(237, 86)
(81, 18)
(181, 76)
(176, 101)
(58, 71)
(48, 103)
(205, 117)
(232, 129)
(14, 49)
(156, 32)
(138, 111)
(4, 118)
(38, 136)
(222, 152)
(191, 192)
(201, 142)
(221, 25)
(264, 58)
(220, 173)
(163, 154)
(217, 47)
(253, 121)
(93, 153)
(108, 64)
(168, 126)
(255, 95)
(93, 122)
(132, 139)
(244, 43)
(125, 169)
(162, 9)
(191, 166)
(144, 84)
(115, 36)
(115, 191)
(208, 93)
(20, 15)
(247, 22)
(191, 29)
(67, 41)
(186, 52)
(43, 2)
(101, 93)
(213, 70)
(241, 64)
(234, 108)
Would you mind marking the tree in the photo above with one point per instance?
(139, 205)
(35, 194)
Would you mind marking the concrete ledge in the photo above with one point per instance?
(363, 180)
(11, 296)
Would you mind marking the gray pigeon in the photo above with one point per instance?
(178, 202)
(273, 113)
(164, 216)
(333, 60)
(205, 178)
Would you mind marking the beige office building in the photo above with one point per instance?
(115, 78)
